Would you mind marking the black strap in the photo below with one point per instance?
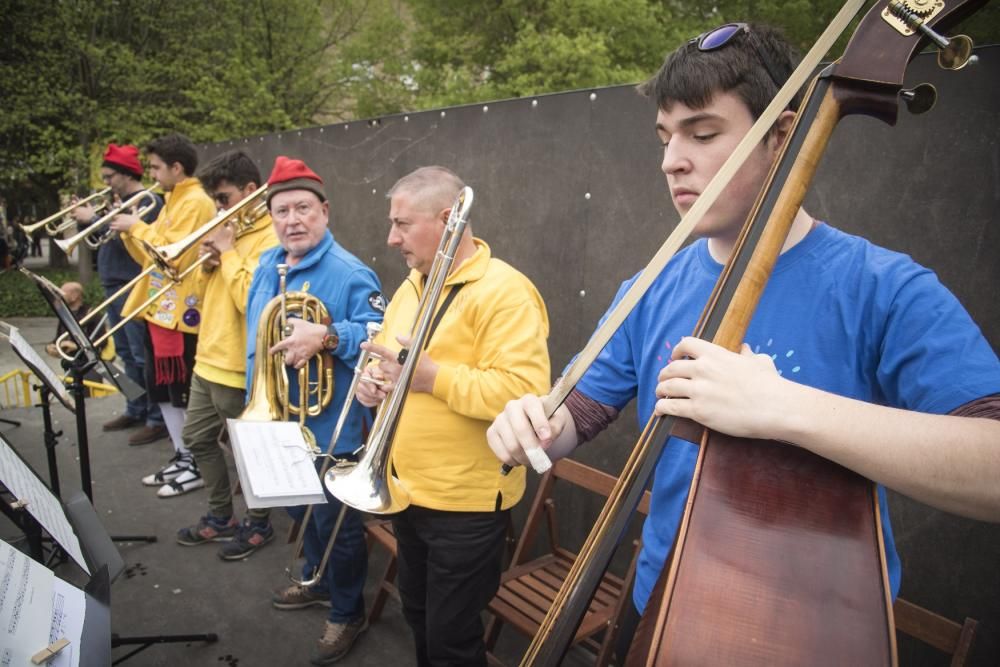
(401, 357)
(440, 313)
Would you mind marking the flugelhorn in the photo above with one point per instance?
(164, 257)
(373, 329)
(52, 228)
(94, 236)
(369, 485)
(270, 399)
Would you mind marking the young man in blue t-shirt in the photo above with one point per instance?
(854, 353)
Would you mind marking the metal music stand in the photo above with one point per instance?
(87, 357)
(105, 562)
(101, 555)
(49, 385)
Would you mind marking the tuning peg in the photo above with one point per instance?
(954, 54)
(957, 54)
(919, 99)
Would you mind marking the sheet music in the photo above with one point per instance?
(274, 464)
(69, 608)
(41, 503)
(25, 607)
(38, 366)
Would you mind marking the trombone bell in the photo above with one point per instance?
(364, 487)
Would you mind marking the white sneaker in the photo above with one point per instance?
(177, 464)
(188, 480)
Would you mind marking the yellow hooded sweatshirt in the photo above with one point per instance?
(186, 208)
(491, 347)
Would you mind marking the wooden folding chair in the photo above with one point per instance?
(528, 587)
(937, 631)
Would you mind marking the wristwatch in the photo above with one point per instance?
(331, 340)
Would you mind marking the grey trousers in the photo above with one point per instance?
(209, 405)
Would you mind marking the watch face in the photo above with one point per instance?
(330, 341)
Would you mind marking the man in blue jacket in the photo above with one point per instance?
(317, 264)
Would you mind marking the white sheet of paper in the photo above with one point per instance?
(25, 607)
(69, 607)
(274, 464)
(42, 504)
(38, 365)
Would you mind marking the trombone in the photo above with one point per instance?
(164, 258)
(369, 485)
(373, 329)
(52, 228)
(92, 235)
(245, 213)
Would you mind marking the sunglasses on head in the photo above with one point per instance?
(719, 37)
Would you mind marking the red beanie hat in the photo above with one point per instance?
(123, 158)
(290, 174)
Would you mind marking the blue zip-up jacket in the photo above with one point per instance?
(352, 295)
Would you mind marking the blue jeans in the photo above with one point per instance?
(129, 346)
(347, 567)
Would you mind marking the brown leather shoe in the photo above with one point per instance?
(122, 422)
(148, 434)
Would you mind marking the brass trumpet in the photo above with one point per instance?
(52, 228)
(246, 213)
(373, 329)
(270, 399)
(369, 485)
(93, 235)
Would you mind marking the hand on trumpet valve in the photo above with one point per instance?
(124, 221)
(303, 341)
(83, 213)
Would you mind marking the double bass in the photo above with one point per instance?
(779, 558)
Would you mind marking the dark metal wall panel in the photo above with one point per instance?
(569, 191)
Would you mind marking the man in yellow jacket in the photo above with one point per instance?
(172, 319)
(217, 388)
(489, 346)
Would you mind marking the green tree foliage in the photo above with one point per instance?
(77, 74)
(470, 50)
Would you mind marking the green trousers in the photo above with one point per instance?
(209, 405)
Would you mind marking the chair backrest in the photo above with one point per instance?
(528, 587)
(576, 473)
(937, 631)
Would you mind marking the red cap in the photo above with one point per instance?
(125, 157)
(291, 174)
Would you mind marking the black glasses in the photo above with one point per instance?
(719, 37)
